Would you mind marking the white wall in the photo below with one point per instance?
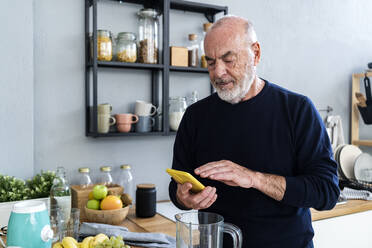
(311, 47)
(16, 88)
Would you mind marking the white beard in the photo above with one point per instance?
(240, 90)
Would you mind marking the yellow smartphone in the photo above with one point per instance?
(185, 177)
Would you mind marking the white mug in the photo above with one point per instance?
(104, 122)
(143, 108)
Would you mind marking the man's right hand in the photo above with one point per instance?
(201, 200)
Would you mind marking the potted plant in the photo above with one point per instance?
(13, 190)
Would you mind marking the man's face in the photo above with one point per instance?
(231, 63)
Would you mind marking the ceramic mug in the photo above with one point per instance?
(104, 108)
(144, 124)
(124, 127)
(104, 122)
(126, 119)
(143, 108)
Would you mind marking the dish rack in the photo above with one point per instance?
(355, 184)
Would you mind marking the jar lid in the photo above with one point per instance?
(207, 26)
(148, 13)
(126, 36)
(105, 168)
(177, 98)
(125, 166)
(145, 186)
(192, 36)
(84, 170)
(103, 32)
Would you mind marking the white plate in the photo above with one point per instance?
(362, 163)
(337, 158)
(347, 157)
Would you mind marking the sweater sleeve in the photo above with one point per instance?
(315, 182)
(182, 155)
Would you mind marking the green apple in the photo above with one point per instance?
(93, 204)
(99, 192)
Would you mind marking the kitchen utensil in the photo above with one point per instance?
(146, 200)
(144, 124)
(113, 217)
(29, 225)
(366, 111)
(347, 157)
(204, 230)
(143, 108)
(337, 158)
(104, 122)
(363, 167)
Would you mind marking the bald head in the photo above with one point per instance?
(237, 25)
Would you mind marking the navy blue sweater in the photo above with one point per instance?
(277, 132)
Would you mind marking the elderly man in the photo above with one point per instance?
(261, 150)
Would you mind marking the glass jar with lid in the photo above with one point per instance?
(104, 45)
(148, 28)
(105, 177)
(177, 107)
(84, 177)
(126, 47)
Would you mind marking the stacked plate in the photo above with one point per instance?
(353, 163)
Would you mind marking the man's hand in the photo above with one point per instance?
(233, 174)
(227, 172)
(201, 200)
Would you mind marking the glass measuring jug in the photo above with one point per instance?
(204, 230)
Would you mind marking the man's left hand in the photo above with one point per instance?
(227, 172)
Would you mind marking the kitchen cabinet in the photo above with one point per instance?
(162, 68)
(346, 231)
(355, 112)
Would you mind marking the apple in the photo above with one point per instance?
(99, 192)
(93, 204)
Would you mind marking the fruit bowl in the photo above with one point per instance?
(112, 217)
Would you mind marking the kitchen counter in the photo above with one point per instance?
(161, 224)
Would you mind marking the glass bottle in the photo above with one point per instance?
(194, 98)
(84, 177)
(104, 45)
(193, 49)
(105, 177)
(148, 36)
(203, 61)
(177, 107)
(126, 47)
(60, 195)
(126, 179)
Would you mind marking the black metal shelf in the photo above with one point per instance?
(159, 87)
(188, 69)
(115, 134)
(208, 10)
(117, 64)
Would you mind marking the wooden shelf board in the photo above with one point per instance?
(362, 142)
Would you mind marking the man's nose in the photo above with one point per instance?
(220, 69)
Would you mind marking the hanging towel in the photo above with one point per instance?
(335, 130)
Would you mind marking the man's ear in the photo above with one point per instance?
(256, 48)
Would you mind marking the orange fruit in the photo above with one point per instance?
(90, 196)
(111, 202)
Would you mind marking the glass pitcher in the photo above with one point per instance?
(204, 230)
